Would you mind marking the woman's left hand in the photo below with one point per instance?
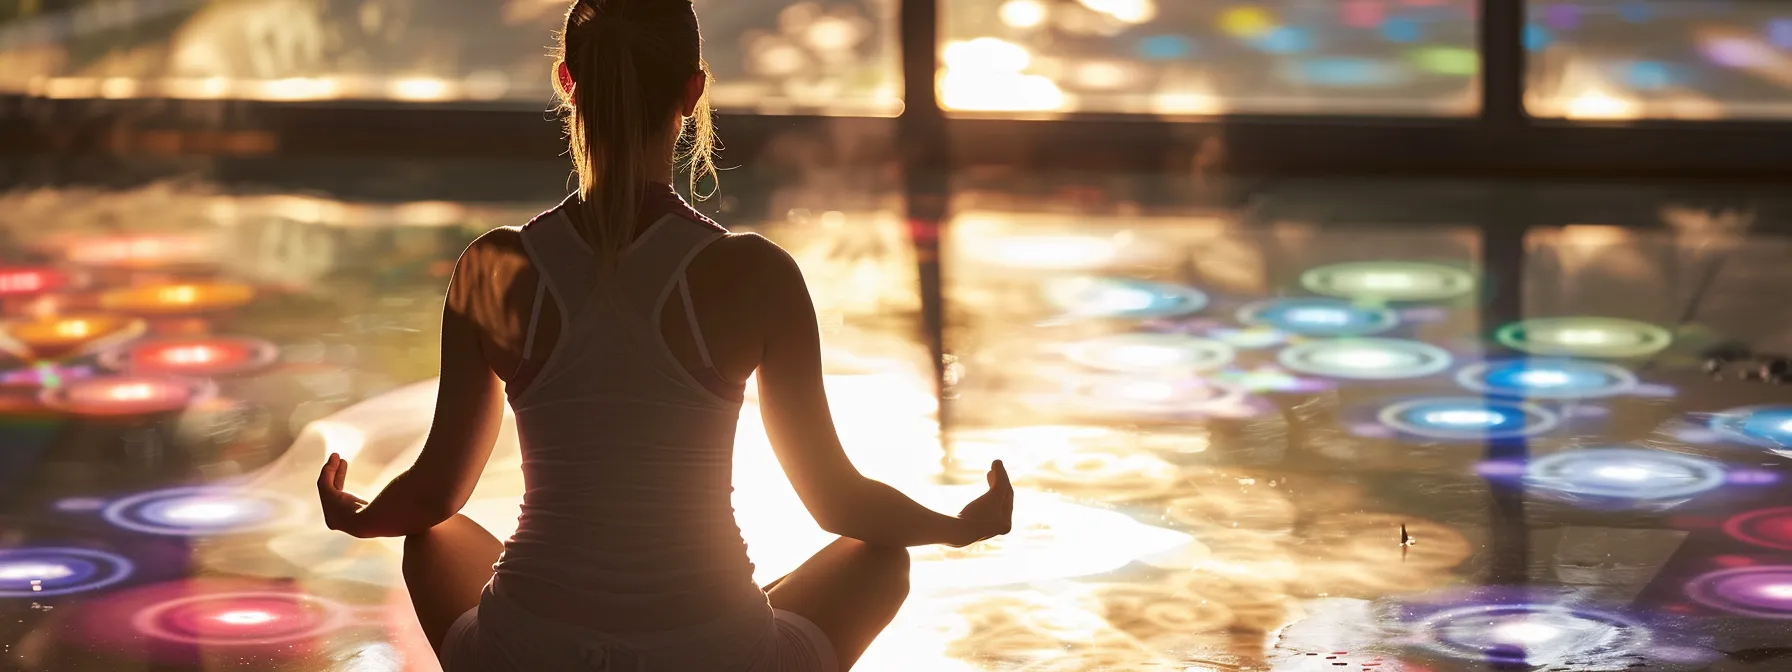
(340, 507)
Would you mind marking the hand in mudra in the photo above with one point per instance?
(992, 514)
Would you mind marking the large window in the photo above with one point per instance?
(1198, 57)
(1656, 59)
(773, 56)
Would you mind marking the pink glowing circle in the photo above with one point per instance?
(28, 281)
(192, 357)
(1768, 528)
(240, 619)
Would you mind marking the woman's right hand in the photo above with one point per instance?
(991, 514)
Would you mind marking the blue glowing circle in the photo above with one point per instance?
(1779, 33)
(1636, 12)
(1547, 378)
(1148, 353)
(1401, 29)
(1319, 317)
(1366, 358)
(1649, 75)
(1166, 48)
(1624, 473)
(1285, 40)
(47, 571)
(1348, 72)
(1468, 418)
(1537, 38)
(1765, 426)
(200, 511)
(1122, 298)
(1532, 634)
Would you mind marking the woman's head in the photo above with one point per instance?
(630, 73)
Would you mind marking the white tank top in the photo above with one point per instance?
(627, 519)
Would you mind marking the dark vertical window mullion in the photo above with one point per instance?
(924, 148)
(1503, 66)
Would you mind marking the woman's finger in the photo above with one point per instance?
(341, 473)
(327, 476)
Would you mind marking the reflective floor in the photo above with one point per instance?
(1244, 442)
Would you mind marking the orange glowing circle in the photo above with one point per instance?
(63, 335)
(178, 299)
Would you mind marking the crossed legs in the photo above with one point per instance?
(850, 589)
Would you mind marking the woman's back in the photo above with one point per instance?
(627, 523)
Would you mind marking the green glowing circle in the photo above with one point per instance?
(1605, 337)
(1389, 281)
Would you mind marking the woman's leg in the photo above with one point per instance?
(445, 570)
(850, 589)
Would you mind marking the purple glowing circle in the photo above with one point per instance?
(238, 619)
(1759, 592)
(1534, 634)
(200, 511)
(1735, 52)
(49, 571)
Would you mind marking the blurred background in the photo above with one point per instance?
(1243, 291)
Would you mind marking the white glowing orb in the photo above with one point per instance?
(1543, 378)
(1525, 632)
(1361, 359)
(421, 88)
(1318, 316)
(1145, 355)
(34, 571)
(1373, 280)
(1778, 591)
(1465, 418)
(132, 392)
(986, 55)
(1630, 474)
(1125, 11)
(1023, 13)
(1148, 390)
(1582, 337)
(194, 354)
(1786, 426)
(245, 617)
(1042, 252)
(202, 512)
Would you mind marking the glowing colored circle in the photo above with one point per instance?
(192, 357)
(1403, 30)
(200, 511)
(1759, 592)
(1648, 75)
(63, 335)
(1627, 473)
(1537, 38)
(1246, 21)
(28, 281)
(1768, 528)
(1346, 72)
(1166, 48)
(1144, 396)
(125, 395)
(1147, 353)
(178, 299)
(1454, 61)
(1528, 633)
(1285, 40)
(1603, 337)
(1122, 298)
(1389, 281)
(1366, 359)
(237, 619)
(1764, 426)
(1319, 317)
(48, 571)
(1547, 378)
(1468, 418)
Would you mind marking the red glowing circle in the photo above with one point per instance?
(28, 281)
(125, 395)
(1769, 528)
(144, 251)
(1732, 561)
(192, 357)
(227, 619)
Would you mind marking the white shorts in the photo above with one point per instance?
(498, 636)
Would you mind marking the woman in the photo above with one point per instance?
(622, 326)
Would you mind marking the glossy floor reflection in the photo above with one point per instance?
(1267, 447)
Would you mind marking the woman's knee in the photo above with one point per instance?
(888, 566)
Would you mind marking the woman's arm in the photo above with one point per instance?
(801, 428)
(469, 410)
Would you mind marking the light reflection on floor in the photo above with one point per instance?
(1305, 460)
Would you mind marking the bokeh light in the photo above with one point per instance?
(242, 619)
(192, 356)
(45, 571)
(1319, 317)
(125, 395)
(178, 299)
(1624, 473)
(1366, 358)
(1756, 592)
(1389, 281)
(1601, 337)
(1767, 528)
(1121, 298)
(1547, 378)
(1765, 426)
(203, 511)
(1529, 634)
(1147, 353)
(1468, 418)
